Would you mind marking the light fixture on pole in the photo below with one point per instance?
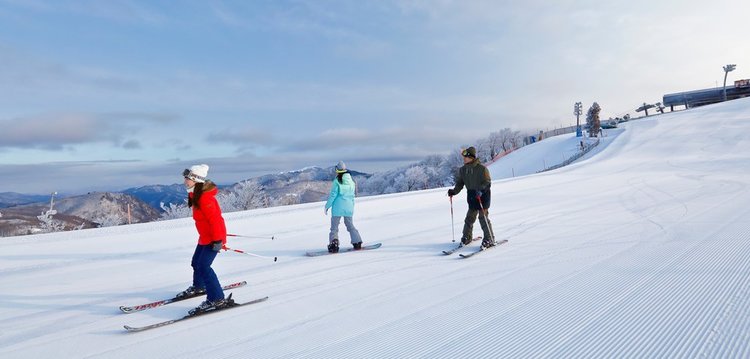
(577, 112)
(727, 69)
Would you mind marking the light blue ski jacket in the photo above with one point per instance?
(341, 198)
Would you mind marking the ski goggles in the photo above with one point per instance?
(466, 153)
(192, 176)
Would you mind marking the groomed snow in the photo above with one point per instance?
(641, 251)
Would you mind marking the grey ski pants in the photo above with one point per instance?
(349, 222)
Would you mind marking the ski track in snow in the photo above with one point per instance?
(640, 249)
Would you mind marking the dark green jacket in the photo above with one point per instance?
(475, 177)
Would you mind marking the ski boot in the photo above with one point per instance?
(208, 306)
(190, 292)
(465, 241)
(333, 247)
(487, 243)
(357, 246)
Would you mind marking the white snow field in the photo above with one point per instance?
(641, 251)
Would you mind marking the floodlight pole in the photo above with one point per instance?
(727, 69)
(577, 113)
(52, 201)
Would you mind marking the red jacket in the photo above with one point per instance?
(207, 216)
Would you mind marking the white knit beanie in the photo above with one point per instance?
(198, 173)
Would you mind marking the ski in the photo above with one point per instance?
(344, 250)
(168, 322)
(481, 249)
(159, 303)
(460, 245)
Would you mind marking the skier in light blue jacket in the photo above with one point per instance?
(341, 203)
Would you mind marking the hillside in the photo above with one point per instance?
(639, 251)
(77, 212)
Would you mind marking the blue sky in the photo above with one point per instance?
(105, 95)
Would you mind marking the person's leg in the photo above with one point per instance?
(198, 282)
(353, 232)
(484, 221)
(471, 217)
(334, 233)
(204, 261)
(333, 236)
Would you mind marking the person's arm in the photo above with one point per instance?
(212, 211)
(334, 193)
(459, 185)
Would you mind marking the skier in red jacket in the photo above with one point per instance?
(212, 236)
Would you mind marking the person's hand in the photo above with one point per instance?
(451, 192)
(325, 211)
(217, 245)
(479, 194)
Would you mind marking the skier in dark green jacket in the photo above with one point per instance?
(476, 178)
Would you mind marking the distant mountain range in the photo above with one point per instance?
(10, 199)
(19, 213)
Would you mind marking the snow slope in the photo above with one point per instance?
(639, 251)
(547, 153)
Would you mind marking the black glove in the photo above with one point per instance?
(451, 192)
(216, 245)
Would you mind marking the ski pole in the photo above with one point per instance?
(248, 253)
(486, 220)
(254, 237)
(453, 225)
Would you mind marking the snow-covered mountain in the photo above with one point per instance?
(76, 212)
(155, 195)
(310, 184)
(640, 251)
(107, 207)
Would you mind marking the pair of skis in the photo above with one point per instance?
(474, 252)
(160, 303)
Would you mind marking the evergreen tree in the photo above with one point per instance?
(593, 121)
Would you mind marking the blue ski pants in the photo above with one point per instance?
(203, 275)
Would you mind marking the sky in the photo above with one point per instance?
(107, 95)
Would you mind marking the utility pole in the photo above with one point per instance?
(727, 70)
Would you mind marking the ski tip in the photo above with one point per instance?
(125, 309)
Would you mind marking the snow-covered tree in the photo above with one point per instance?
(48, 224)
(245, 195)
(415, 178)
(108, 219)
(175, 211)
